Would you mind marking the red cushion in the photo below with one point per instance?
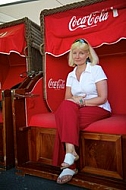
(116, 124)
(46, 120)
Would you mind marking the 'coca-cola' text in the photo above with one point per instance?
(56, 84)
(91, 20)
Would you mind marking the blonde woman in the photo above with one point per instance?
(85, 102)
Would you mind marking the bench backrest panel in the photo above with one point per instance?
(11, 66)
(113, 62)
(115, 68)
(35, 104)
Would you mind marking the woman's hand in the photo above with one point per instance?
(76, 99)
(79, 100)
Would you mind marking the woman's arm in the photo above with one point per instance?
(101, 99)
(102, 95)
(68, 94)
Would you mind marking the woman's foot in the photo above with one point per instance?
(66, 175)
(69, 160)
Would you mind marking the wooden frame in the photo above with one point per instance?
(110, 147)
(102, 163)
(102, 156)
(33, 67)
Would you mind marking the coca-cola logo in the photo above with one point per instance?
(3, 34)
(56, 84)
(90, 20)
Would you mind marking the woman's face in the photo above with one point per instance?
(79, 56)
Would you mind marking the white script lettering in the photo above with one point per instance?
(59, 84)
(90, 20)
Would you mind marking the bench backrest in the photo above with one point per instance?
(11, 66)
(113, 61)
(115, 68)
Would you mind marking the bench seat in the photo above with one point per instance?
(100, 141)
(116, 124)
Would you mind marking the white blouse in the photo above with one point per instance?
(87, 83)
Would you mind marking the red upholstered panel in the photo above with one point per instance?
(4, 67)
(11, 66)
(36, 104)
(16, 60)
(46, 120)
(113, 125)
(115, 69)
(56, 71)
(13, 77)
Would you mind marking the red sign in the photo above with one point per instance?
(99, 23)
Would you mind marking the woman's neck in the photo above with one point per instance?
(79, 70)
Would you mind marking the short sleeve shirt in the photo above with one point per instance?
(87, 83)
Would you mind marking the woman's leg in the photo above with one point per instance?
(67, 131)
(90, 114)
(70, 156)
(70, 148)
(67, 122)
(69, 126)
(70, 119)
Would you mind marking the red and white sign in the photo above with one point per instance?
(99, 23)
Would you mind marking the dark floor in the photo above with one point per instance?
(10, 181)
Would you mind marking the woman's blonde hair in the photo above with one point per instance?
(84, 45)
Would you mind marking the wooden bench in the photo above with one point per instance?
(102, 162)
(7, 155)
(17, 70)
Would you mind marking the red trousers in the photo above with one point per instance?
(70, 119)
